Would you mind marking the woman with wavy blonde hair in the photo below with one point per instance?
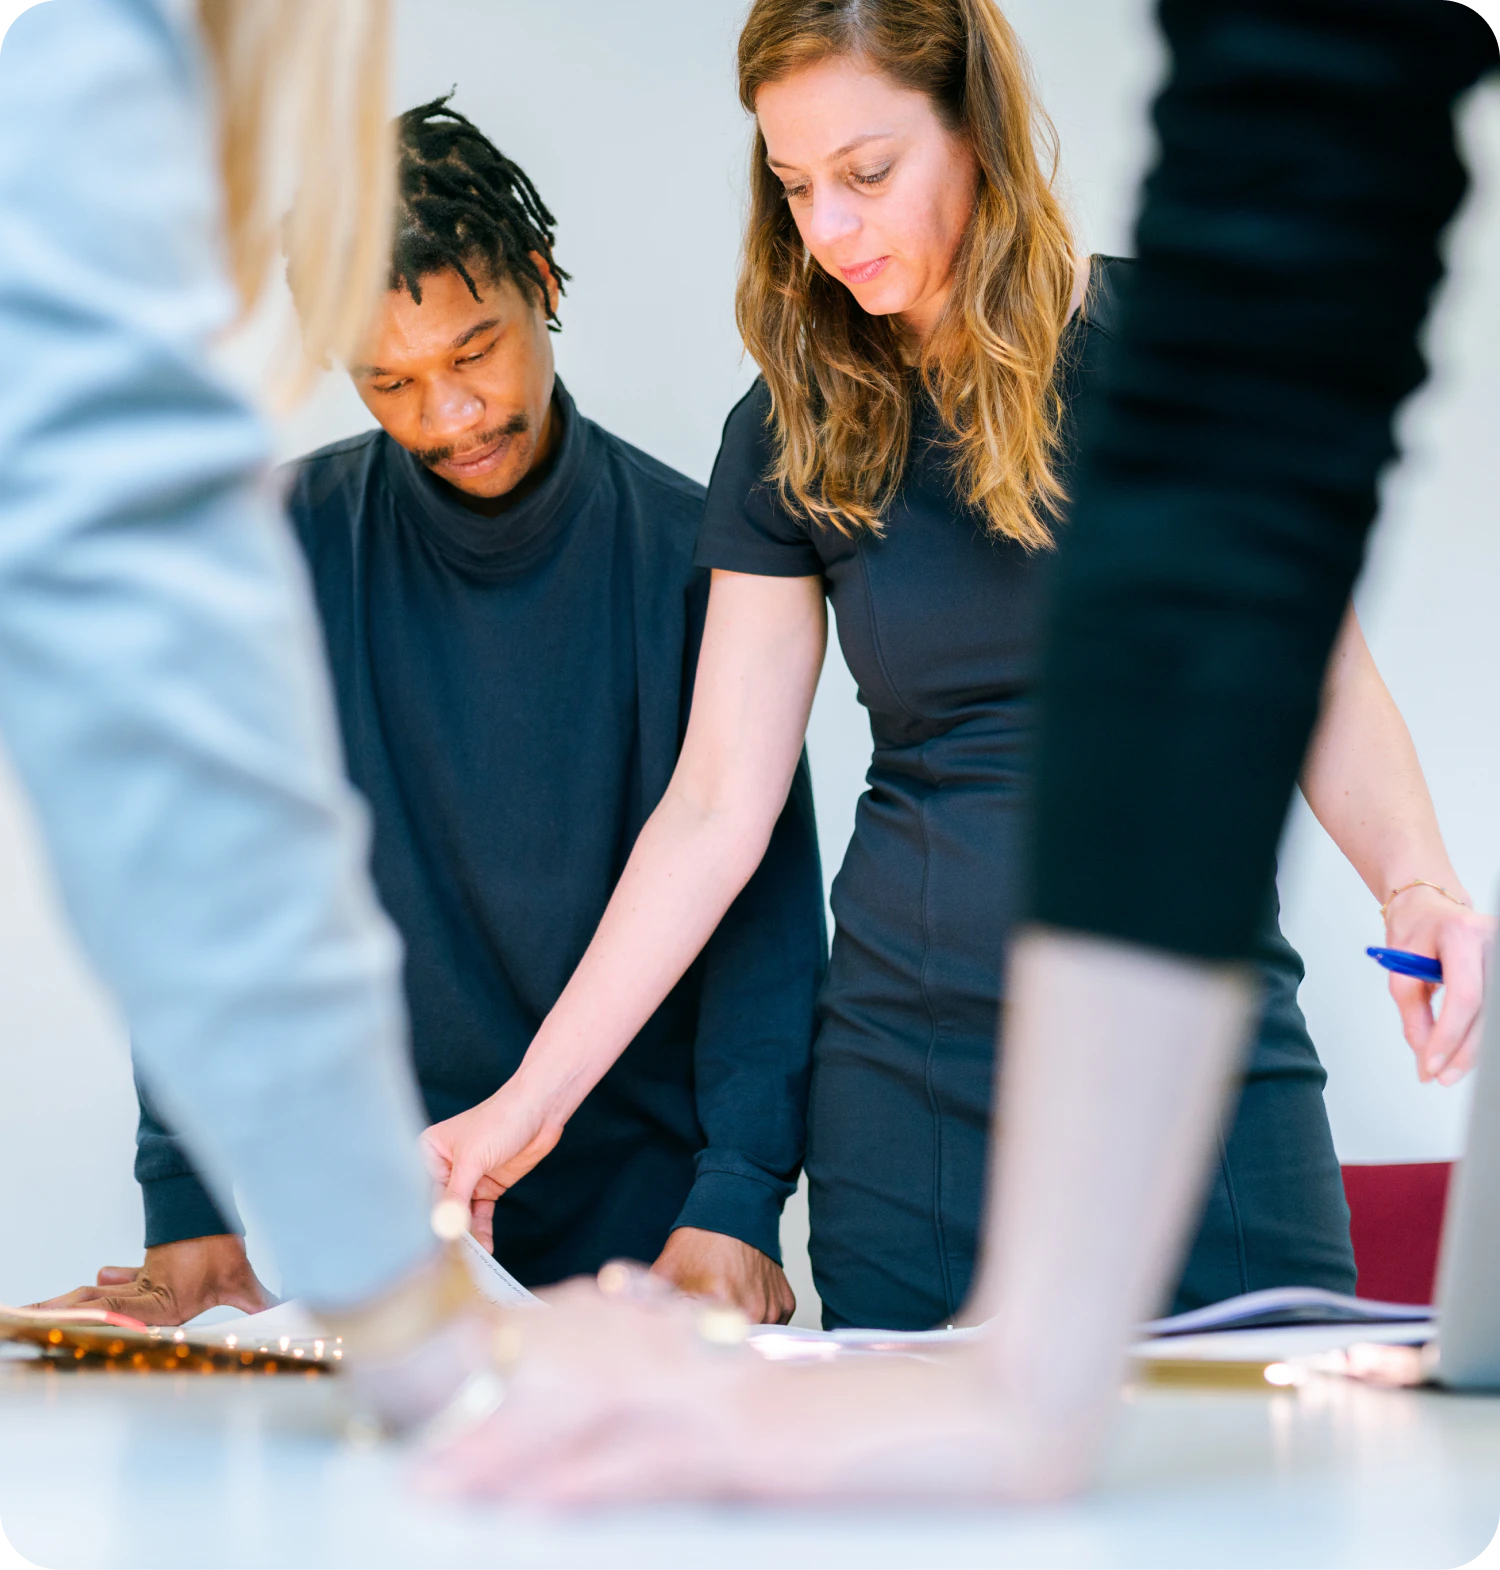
(924, 333)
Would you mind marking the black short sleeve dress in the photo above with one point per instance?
(939, 623)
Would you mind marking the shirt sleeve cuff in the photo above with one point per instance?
(178, 1208)
(759, 561)
(740, 1203)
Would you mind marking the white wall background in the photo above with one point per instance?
(625, 116)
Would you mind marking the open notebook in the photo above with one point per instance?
(1280, 1306)
(1275, 1308)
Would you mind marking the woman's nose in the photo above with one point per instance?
(831, 219)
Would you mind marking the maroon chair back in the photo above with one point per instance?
(1396, 1222)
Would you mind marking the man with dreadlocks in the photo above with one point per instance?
(513, 618)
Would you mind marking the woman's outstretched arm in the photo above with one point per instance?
(763, 646)
(1365, 786)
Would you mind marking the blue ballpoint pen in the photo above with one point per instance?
(1405, 963)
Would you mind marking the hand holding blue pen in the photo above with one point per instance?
(1405, 963)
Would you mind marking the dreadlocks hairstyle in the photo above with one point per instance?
(463, 204)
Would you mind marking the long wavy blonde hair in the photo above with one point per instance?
(839, 378)
(307, 156)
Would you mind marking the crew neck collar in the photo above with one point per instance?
(519, 535)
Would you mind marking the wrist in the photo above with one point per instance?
(407, 1314)
(1408, 893)
(550, 1086)
(423, 1352)
(215, 1257)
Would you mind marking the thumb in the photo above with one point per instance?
(471, 1186)
(439, 1162)
(482, 1224)
(464, 1175)
(117, 1275)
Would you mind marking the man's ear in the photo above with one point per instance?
(549, 281)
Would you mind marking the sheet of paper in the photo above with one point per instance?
(492, 1279)
(291, 1318)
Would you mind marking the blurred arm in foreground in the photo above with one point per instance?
(161, 682)
(1289, 249)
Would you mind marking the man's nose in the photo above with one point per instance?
(451, 409)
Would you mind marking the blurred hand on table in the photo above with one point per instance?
(177, 1282)
(611, 1400)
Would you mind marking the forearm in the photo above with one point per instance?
(757, 996)
(692, 858)
(1363, 781)
(1116, 1064)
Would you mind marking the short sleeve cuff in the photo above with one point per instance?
(739, 1205)
(178, 1208)
(761, 560)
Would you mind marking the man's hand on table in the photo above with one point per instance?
(713, 1265)
(177, 1282)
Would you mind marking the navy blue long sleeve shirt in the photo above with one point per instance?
(513, 692)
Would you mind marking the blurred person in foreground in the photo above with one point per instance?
(512, 619)
(1288, 251)
(162, 691)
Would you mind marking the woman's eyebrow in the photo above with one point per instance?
(839, 152)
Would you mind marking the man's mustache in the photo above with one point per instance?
(433, 457)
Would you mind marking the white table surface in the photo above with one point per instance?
(165, 1470)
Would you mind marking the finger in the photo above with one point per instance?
(482, 1223)
(503, 1452)
(150, 1308)
(117, 1275)
(635, 1458)
(1457, 1066)
(79, 1297)
(494, 1460)
(471, 1178)
(1413, 1000)
(1462, 1000)
(628, 1281)
(436, 1158)
(1465, 1058)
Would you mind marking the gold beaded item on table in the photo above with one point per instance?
(96, 1338)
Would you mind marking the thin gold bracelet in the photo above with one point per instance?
(1422, 883)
